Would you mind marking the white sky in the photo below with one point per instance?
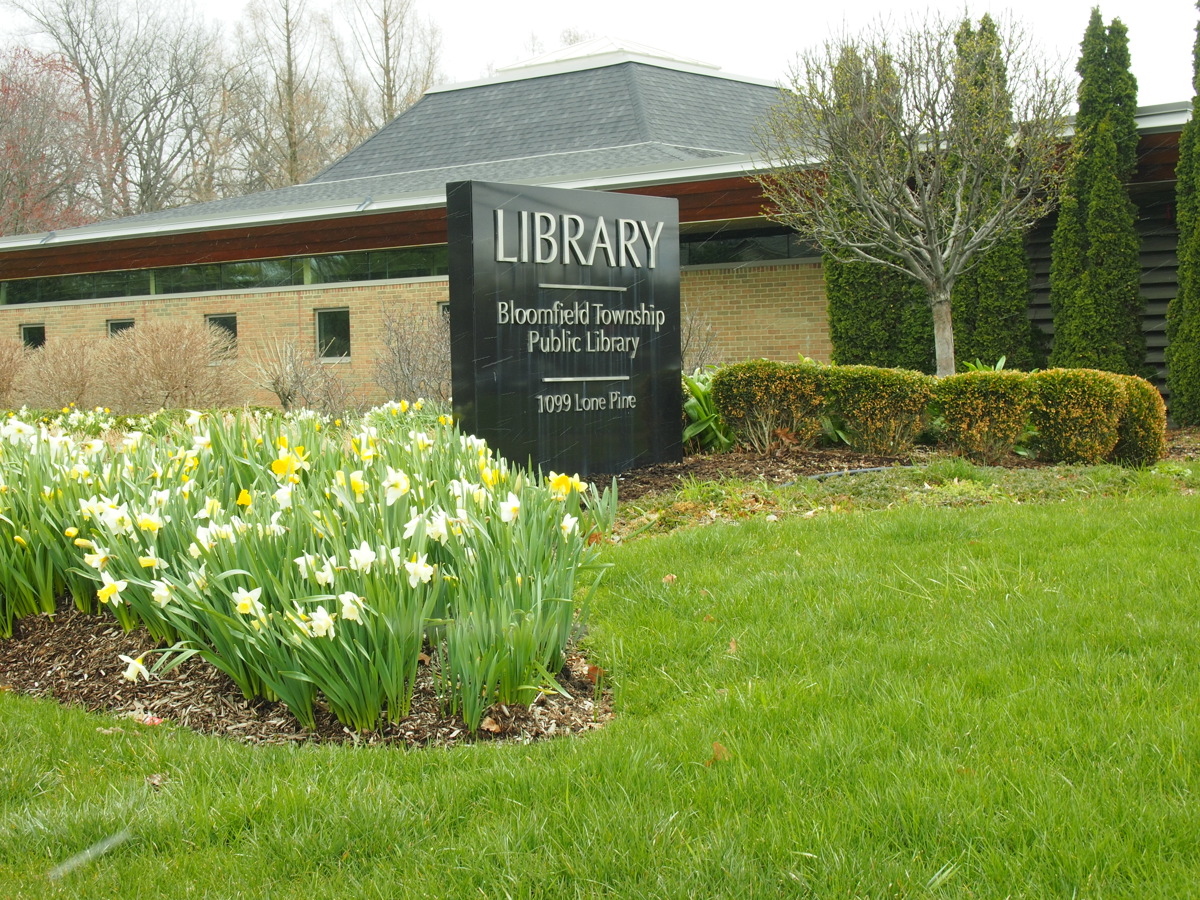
(761, 38)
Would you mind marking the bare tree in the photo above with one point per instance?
(399, 53)
(290, 132)
(44, 159)
(909, 152)
(136, 65)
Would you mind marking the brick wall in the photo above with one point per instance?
(772, 311)
(776, 311)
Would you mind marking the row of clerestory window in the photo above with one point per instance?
(332, 330)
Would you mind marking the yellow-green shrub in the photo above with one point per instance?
(764, 401)
(1142, 432)
(985, 412)
(878, 410)
(1077, 414)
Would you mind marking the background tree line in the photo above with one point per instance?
(118, 107)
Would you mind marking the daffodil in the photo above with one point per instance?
(98, 558)
(150, 562)
(362, 558)
(322, 623)
(358, 485)
(396, 485)
(510, 508)
(569, 525)
(246, 602)
(161, 591)
(135, 669)
(110, 589)
(418, 570)
(352, 604)
(244, 498)
(283, 497)
(149, 521)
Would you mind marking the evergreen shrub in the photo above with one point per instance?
(984, 412)
(1077, 414)
(1142, 432)
(878, 410)
(765, 402)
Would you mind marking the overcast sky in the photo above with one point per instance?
(762, 38)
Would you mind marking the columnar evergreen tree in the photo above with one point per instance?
(877, 317)
(990, 302)
(1183, 312)
(1095, 266)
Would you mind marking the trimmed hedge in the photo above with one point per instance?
(1142, 432)
(878, 410)
(1077, 414)
(767, 403)
(985, 412)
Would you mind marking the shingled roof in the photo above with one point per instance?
(587, 116)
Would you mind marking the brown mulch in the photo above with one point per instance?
(74, 658)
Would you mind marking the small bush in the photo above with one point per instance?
(61, 372)
(13, 356)
(167, 363)
(984, 412)
(1142, 432)
(767, 403)
(878, 410)
(1077, 414)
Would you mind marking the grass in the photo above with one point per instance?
(936, 700)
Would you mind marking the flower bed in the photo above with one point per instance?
(302, 558)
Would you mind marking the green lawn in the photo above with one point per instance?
(1000, 701)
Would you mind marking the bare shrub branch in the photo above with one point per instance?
(13, 356)
(697, 339)
(168, 364)
(60, 372)
(415, 359)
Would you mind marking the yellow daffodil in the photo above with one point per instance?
(110, 589)
(358, 485)
(244, 498)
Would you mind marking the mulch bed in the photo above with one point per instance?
(74, 658)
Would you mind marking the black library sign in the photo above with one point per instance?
(564, 322)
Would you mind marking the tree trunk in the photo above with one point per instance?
(943, 331)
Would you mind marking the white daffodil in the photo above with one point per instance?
(418, 570)
(510, 508)
(117, 519)
(150, 562)
(351, 606)
(322, 623)
(246, 602)
(135, 669)
(198, 581)
(396, 484)
(325, 574)
(283, 497)
(131, 440)
(305, 564)
(111, 589)
(569, 525)
(211, 507)
(438, 527)
(362, 558)
(161, 591)
(411, 528)
(158, 499)
(194, 417)
(98, 558)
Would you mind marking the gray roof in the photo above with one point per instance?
(586, 125)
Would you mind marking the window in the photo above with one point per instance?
(33, 335)
(228, 321)
(333, 333)
(116, 326)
